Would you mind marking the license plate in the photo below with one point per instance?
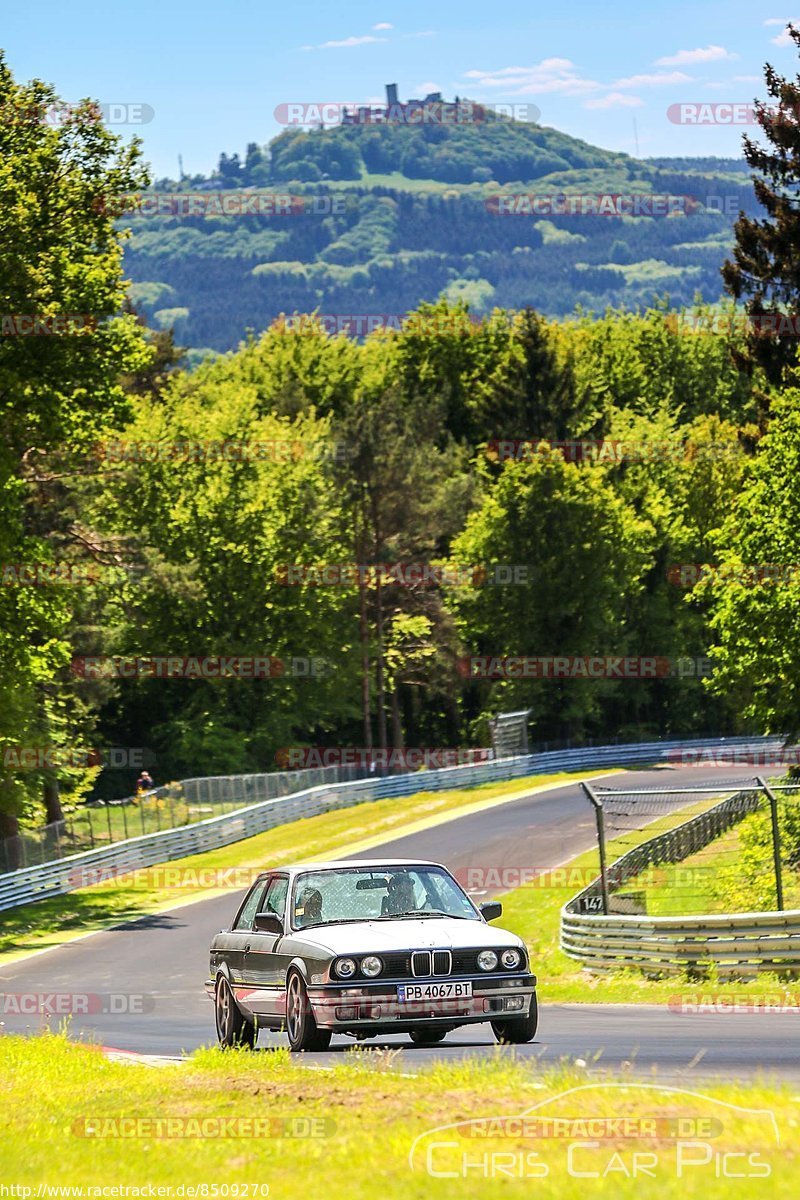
(407, 992)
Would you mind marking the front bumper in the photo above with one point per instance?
(376, 1006)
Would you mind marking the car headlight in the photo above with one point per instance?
(511, 959)
(487, 960)
(345, 967)
(371, 965)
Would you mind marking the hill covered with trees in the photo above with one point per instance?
(371, 219)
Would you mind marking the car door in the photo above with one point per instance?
(263, 967)
(235, 944)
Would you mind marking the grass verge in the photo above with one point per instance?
(265, 1122)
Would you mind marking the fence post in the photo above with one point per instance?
(601, 843)
(776, 839)
(108, 821)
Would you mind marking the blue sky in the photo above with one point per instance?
(214, 73)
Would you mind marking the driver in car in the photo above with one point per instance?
(309, 909)
(399, 897)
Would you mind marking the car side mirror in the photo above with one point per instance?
(491, 910)
(266, 922)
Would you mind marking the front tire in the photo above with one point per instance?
(232, 1028)
(427, 1037)
(514, 1031)
(300, 1024)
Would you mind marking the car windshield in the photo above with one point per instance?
(377, 893)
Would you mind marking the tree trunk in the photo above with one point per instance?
(52, 801)
(363, 625)
(380, 684)
(397, 723)
(380, 677)
(10, 849)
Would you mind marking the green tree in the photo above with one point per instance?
(60, 262)
(764, 268)
(756, 592)
(583, 552)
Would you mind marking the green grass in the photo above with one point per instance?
(47, 922)
(373, 1126)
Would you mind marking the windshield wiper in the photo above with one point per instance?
(433, 912)
(339, 921)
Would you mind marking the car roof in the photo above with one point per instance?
(367, 864)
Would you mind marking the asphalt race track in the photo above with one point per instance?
(164, 959)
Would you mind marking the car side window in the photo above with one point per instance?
(275, 897)
(252, 905)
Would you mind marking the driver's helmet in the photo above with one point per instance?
(400, 893)
(310, 907)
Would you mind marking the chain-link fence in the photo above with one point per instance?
(730, 847)
(99, 824)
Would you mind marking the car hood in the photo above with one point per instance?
(445, 932)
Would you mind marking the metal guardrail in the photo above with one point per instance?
(51, 879)
(737, 944)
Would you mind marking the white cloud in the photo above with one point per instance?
(779, 20)
(685, 58)
(351, 41)
(383, 25)
(783, 39)
(558, 75)
(424, 89)
(615, 100)
(654, 80)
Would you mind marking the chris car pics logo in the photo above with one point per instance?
(606, 1132)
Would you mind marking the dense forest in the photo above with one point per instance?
(326, 541)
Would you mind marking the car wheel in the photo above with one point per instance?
(427, 1037)
(516, 1030)
(232, 1028)
(300, 1024)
